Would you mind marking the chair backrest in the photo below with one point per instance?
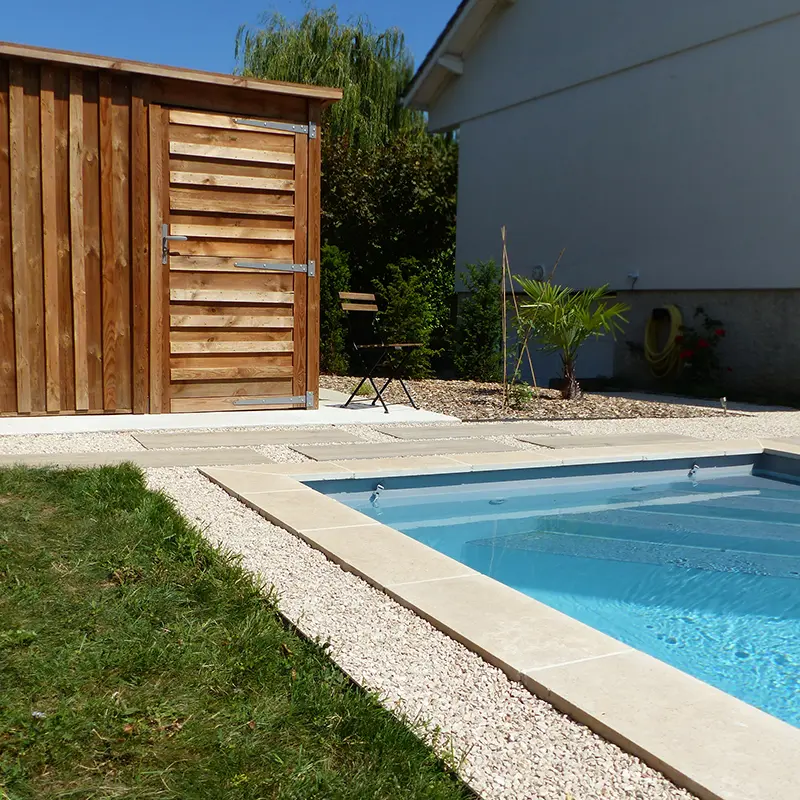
(361, 309)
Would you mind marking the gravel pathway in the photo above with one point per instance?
(515, 746)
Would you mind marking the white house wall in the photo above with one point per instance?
(685, 169)
(535, 47)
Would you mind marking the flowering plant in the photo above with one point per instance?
(698, 348)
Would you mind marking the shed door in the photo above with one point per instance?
(237, 281)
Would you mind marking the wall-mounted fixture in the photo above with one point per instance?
(633, 277)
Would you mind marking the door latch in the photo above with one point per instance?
(166, 239)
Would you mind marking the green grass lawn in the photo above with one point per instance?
(138, 662)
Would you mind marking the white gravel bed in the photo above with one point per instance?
(516, 746)
(279, 453)
(774, 424)
(68, 443)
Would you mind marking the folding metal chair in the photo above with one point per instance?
(373, 353)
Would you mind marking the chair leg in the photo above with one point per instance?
(408, 394)
(355, 392)
(378, 396)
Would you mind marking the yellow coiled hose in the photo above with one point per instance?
(665, 360)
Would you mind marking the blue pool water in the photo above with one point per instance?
(702, 573)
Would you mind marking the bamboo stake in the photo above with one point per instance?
(505, 324)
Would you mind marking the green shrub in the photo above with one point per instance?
(407, 314)
(479, 328)
(334, 278)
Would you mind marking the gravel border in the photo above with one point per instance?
(514, 745)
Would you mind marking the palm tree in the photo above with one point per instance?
(372, 68)
(562, 320)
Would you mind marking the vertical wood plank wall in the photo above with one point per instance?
(80, 295)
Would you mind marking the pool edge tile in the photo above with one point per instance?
(712, 743)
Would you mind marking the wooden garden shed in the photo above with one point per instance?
(159, 237)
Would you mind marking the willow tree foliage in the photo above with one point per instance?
(388, 187)
(372, 68)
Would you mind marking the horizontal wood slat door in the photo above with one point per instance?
(236, 216)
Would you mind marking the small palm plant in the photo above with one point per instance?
(562, 320)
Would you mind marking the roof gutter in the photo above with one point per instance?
(446, 58)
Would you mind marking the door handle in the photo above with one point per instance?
(166, 239)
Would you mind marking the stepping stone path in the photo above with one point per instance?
(162, 441)
(334, 452)
(610, 440)
(142, 458)
(468, 430)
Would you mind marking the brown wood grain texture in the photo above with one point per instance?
(245, 279)
(230, 360)
(19, 236)
(8, 378)
(248, 138)
(230, 296)
(195, 404)
(65, 323)
(314, 235)
(229, 321)
(198, 178)
(300, 378)
(237, 103)
(230, 202)
(193, 81)
(226, 121)
(159, 323)
(263, 346)
(77, 242)
(92, 240)
(232, 232)
(264, 387)
(111, 289)
(140, 247)
(215, 264)
(52, 284)
(229, 373)
(230, 153)
(356, 296)
(33, 234)
(121, 212)
(279, 252)
(233, 220)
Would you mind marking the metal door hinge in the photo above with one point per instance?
(312, 130)
(306, 400)
(273, 126)
(309, 269)
(166, 239)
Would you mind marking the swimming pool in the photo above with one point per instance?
(699, 570)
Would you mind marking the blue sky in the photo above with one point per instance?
(192, 33)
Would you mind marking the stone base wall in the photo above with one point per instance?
(761, 346)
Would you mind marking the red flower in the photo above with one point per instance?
(684, 354)
(720, 331)
(679, 338)
(702, 343)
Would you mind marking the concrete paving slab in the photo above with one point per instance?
(507, 628)
(145, 458)
(161, 441)
(303, 510)
(606, 440)
(335, 452)
(701, 737)
(384, 555)
(238, 482)
(417, 432)
(302, 470)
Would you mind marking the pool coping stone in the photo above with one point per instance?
(710, 742)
